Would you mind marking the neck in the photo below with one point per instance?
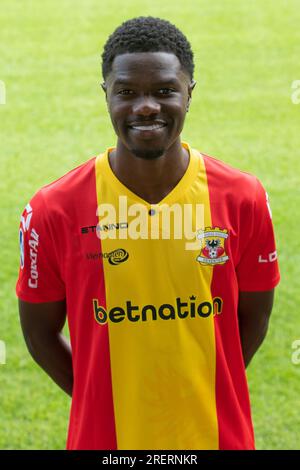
(153, 179)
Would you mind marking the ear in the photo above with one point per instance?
(104, 88)
(191, 87)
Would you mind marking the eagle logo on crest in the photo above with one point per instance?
(212, 246)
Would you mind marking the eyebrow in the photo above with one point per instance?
(171, 81)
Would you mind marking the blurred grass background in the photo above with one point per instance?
(247, 56)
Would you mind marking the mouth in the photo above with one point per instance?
(147, 125)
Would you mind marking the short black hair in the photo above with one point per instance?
(147, 34)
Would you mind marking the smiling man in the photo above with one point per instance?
(160, 332)
(144, 128)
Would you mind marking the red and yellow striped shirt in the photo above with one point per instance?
(153, 325)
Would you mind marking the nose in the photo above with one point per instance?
(146, 106)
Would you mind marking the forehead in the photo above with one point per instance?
(145, 66)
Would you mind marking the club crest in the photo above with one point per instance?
(212, 246)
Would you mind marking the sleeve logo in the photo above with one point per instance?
(212, 246)
(26, 218)
(24, 227)
(268, 205)
(269, 258)
(22, 253)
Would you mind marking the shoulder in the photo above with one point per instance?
(72, 181)
(219, 171)
(66, 190)
(226, 181)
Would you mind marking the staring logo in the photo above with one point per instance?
(104, 228)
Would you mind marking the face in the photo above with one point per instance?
(147, 95)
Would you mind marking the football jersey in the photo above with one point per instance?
(152, 314)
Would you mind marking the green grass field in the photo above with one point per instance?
(247, 56)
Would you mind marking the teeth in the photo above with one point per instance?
(148, 128)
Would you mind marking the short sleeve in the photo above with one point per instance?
(258, 268)
(39, 278)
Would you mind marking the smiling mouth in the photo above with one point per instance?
(151, 127)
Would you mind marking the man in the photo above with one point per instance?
(160, 331)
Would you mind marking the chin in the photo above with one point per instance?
(148, 153)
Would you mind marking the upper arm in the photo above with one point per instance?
(39, 320)
(40, 274)
(255, 306)
(257, 270)
(254, 310)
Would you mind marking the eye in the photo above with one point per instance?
(166, 91)
(125, 92)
